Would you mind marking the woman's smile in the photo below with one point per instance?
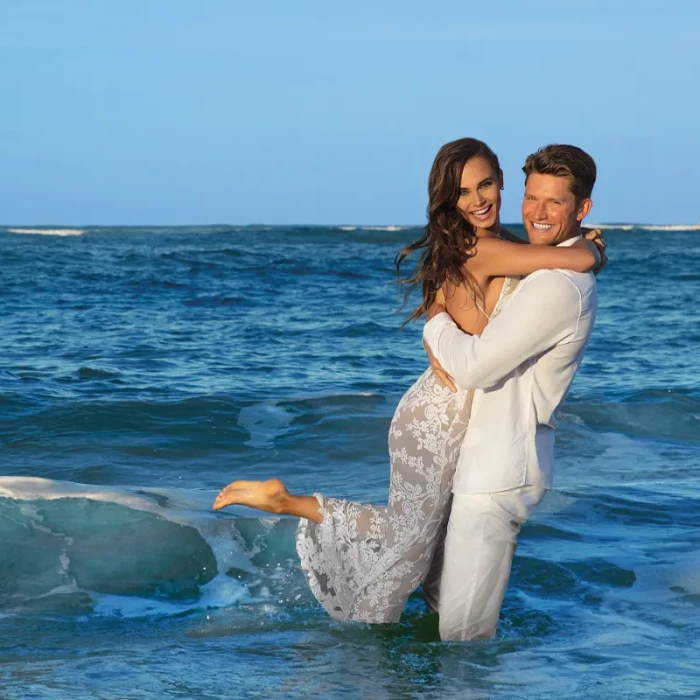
(482, 214)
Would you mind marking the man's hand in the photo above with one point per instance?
(595, 236)
(438, 371)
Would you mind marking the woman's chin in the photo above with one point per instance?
(489, 222)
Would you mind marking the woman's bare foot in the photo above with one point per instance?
(270, 496)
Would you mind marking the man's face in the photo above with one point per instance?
(550, 212)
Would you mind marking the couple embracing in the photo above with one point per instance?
(471, 442)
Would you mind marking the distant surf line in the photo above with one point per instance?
(49, 231)
(647, 227)
(347, 228)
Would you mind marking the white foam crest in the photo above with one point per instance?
(671, 227)
(48, 231)
(31, 488)
(605, 227)
(374, 228)
(220, 592)
(265, 422)
(645, 227)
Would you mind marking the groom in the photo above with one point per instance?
(521, 367)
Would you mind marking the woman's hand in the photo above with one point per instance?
(596, 237)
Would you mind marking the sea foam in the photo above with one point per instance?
(49, 231)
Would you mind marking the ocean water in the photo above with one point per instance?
(144, 369)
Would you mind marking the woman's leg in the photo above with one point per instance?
(363, 561)
(271, 496)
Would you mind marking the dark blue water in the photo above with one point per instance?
(142, 370)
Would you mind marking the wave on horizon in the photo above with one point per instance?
(373, 228)
(49, 231)
(647, 227)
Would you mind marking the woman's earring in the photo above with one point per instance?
(502, 187)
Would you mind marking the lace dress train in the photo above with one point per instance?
(363, 561)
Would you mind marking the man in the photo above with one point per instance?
(521, 368)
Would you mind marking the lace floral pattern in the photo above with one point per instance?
(363, 561)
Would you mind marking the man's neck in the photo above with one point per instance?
(574, 232)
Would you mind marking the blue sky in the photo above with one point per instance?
(219, 111)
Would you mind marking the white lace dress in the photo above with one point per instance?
(363, 561)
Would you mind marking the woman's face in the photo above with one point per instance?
(480, 193)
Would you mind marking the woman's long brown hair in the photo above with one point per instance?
(448, 239)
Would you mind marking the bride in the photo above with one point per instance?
(363, 561)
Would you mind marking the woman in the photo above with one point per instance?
(363, 561)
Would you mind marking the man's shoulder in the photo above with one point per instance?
(565, 290)
(566, 282)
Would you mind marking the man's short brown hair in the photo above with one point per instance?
(564, 161)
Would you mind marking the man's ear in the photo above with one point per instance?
(583, 209)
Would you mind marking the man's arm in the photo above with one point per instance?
(543, 313)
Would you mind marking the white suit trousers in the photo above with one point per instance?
(467, 582)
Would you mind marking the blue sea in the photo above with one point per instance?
(142, 369)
